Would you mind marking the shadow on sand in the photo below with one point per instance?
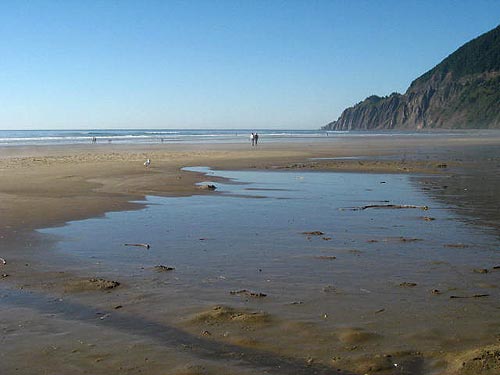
(167, 335)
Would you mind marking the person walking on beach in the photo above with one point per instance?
(252, 138)
(256, 138)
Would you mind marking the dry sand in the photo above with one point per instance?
(43, 187)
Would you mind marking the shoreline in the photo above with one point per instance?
(106, 178)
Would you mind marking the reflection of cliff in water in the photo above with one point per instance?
(473, 189)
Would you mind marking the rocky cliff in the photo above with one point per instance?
(463, 91)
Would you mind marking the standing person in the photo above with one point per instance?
(252, 138)
(256, 138)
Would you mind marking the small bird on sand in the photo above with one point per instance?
(147, 162)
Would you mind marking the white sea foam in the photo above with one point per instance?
(58, 137)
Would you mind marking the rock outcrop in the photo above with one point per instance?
(463, 91)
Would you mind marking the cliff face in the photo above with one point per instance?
(463, 91)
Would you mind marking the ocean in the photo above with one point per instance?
(142, 136)
(150, 136)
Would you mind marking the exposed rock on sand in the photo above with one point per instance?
(91, 284)
(224, 314)
(162, 268)
(207, 187)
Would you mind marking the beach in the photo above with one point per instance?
(67, 316)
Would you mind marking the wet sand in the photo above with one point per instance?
(43, 187)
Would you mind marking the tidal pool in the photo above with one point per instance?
(303, 240)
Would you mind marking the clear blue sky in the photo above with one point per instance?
(217, 64)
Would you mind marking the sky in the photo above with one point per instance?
(218, 64)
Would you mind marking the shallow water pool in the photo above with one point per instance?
(387, 271)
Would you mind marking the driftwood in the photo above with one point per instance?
(2, 261)
(456, 245)
(407, 284)
(389, 206)
(248, 293)
(473, 296)
(146, 245)
(326, 257)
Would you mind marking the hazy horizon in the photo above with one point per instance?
(217, 64)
